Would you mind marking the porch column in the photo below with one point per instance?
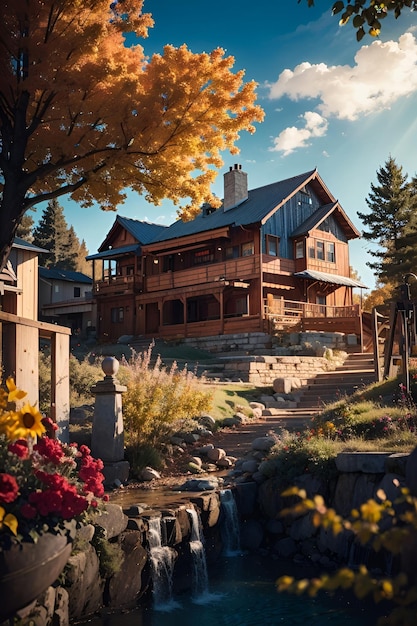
(221, 302)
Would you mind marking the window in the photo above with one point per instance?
(311, 252)
(77, 292)
(272, 245)
(56, 288)
(203, 256)
(117, 314)
(299, 249)
(248, 249)
(330, 253)
(232, 252)
(320, 250)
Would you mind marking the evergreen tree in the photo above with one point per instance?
(24, 230)
(390, 222)
(83, 265)
(52, 233)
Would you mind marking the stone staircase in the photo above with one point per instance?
(357, 371)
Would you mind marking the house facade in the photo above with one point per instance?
(65, 297)
(278, 253)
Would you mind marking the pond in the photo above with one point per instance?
(242, 593)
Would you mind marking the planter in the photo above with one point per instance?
(27, 570)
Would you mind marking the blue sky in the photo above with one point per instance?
(330, 102)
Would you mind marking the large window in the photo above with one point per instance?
(203, 256)
(320, 250)
(248, 248)
(272, 245)
(299, 250)
(77, 292)
(330, 253)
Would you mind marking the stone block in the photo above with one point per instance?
(366, 462)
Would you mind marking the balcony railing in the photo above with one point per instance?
(294, 309)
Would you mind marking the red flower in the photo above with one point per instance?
(28, 511)
(19, 448)
(9, 488)
(50, 449)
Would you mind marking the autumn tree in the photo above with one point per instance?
(366, 15)
(390, 220)
(82, 113)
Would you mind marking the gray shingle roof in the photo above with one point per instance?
(144, 232)
(54, 273)
(260, 203)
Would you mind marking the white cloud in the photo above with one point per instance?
(383, 73)
(292, 138)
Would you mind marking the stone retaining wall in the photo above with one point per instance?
(87, 588)
(263, 370)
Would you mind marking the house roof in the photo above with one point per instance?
(323, 212)
(112, 253)
(335, 279)
(54, 273)
(144, 232)
(261, 202)
(26, 245)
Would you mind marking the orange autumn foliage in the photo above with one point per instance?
(82, 113)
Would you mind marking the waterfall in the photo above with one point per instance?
(162, 563)
(200, 575)
(230, 526)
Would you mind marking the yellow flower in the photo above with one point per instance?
(7, 423)
(14, 393)
(8, 520)
(28, 423)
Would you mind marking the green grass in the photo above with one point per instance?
(228, 398)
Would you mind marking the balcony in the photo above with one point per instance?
(118, 285)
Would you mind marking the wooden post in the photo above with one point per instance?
(60, 396)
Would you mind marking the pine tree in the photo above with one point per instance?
(24, 230)
(52, 233)
(83, 265)
(390, 220)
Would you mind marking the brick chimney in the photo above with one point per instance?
(235, 187)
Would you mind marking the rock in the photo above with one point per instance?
(397, 463)
(125, 586)
(176, 441)
(257, 405)
(411, 473)
(148, 474)
(195, 468)
(391, 485)
(207, 420)
(251, 534)
(195, 484)
(250, 466)
(263, 443)
(82, 574)
(225, 462)
(197, 461)
(257, 413)
(85, 532)
(230, 421)
(366, 462)
(285, 547)
(240, 417)
(112, 520)
(204, 449)
(246, 495)
(191, 437)
(215, 454)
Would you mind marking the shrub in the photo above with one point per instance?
(378, 524)
(158, 398)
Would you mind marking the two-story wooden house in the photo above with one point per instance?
(276, 253)
(65, 297)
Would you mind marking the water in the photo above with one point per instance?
(243, 594)
(230, 528)
(200, 575)
(162, 563)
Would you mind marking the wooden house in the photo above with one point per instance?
(65, 297)
(21, 331)
(274, 255)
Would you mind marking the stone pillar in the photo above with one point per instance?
(107, 437)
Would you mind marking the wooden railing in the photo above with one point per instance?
(281, 314)
(19, 357)
(118, 283)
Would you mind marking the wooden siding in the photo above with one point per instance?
(244, 324)
(244, 268)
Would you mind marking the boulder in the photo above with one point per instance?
(126, 586)
(82, 574)
(215, 454)
(112, 520)
(148, 474)
(263, 443)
